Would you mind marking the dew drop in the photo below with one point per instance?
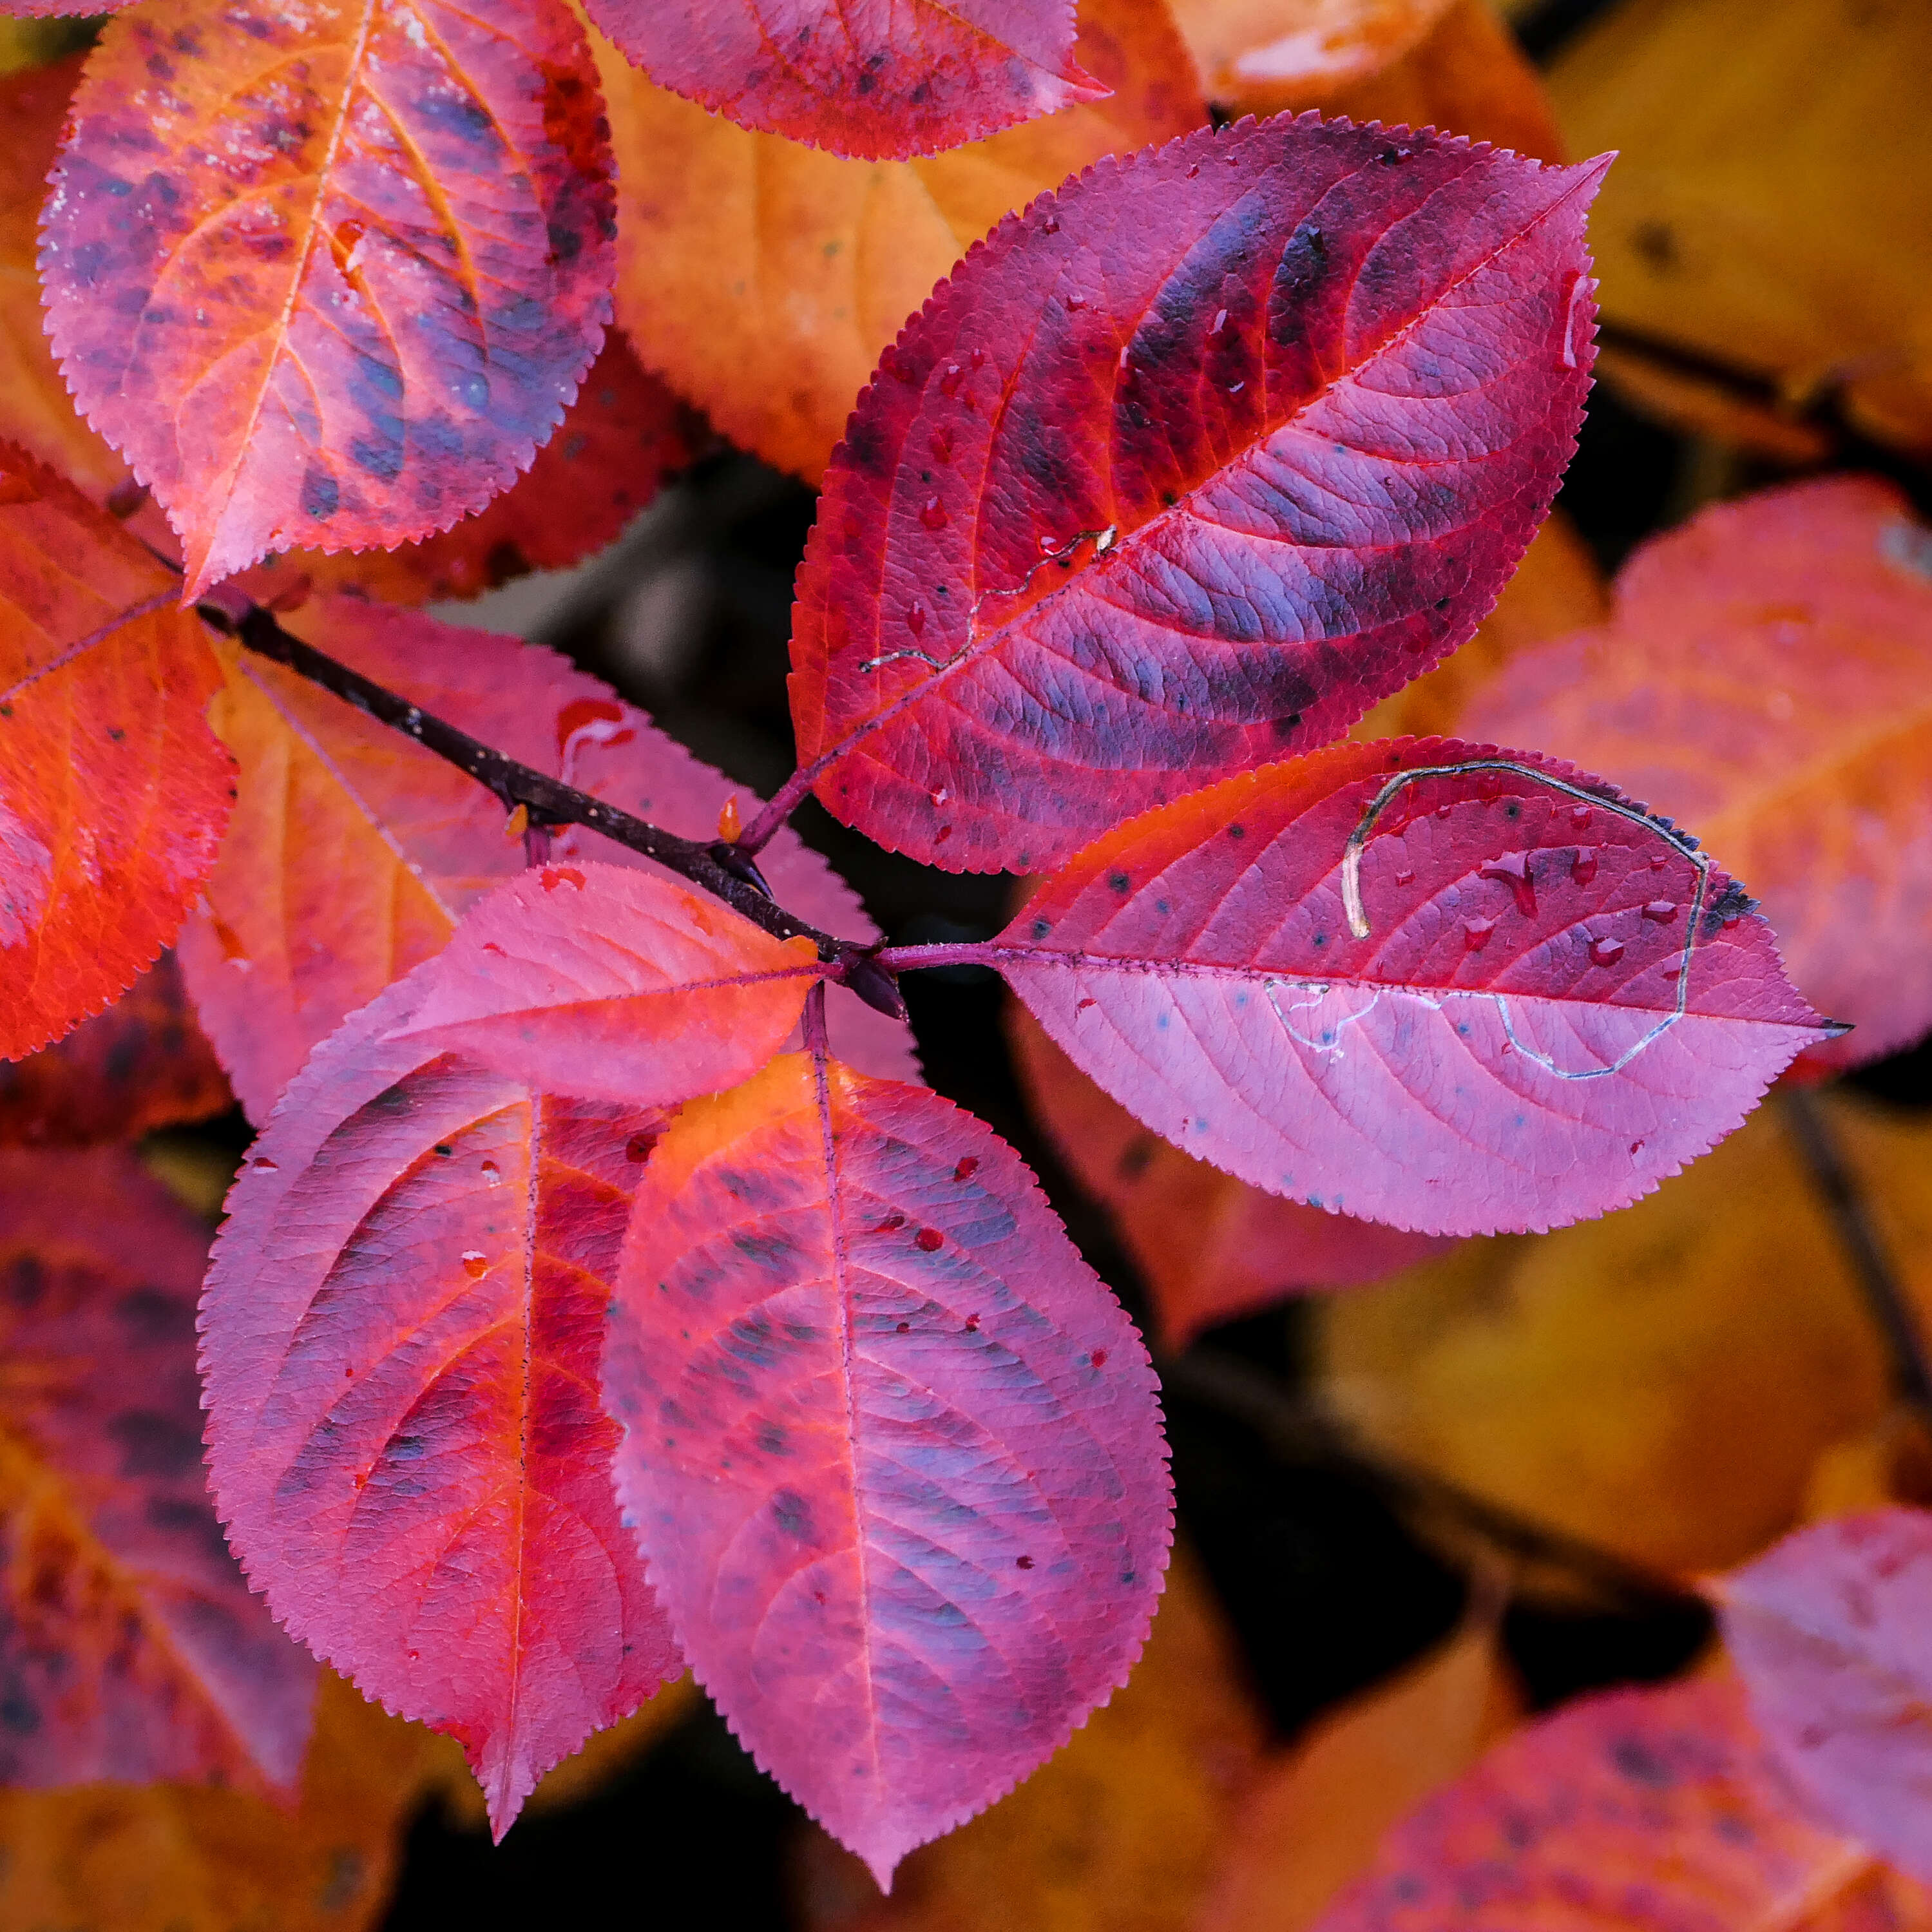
(591, 721)
(1662, 911)
(1220, 321)
(905, 1327)
(1636, 1147)
(1606, 952)
(262, 1164)
(1051, 225)
(939, 796)
(978, 358)
(1099, 1358)
(968, 1166)
(1476, 934)
(638, 1147)
(1512, 869)
(949, 383)
(928, 1239)
(1579, 816)
(1583, 867)
(916, 619)
(1022, 1562)
(1573, 323)
(1406, 876)
(1658, 862)
(493, 1174)
(475, 1263)
(933, 515)
(941, 443)
(1442, 811)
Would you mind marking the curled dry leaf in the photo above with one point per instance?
(403, 1316)
(130, 1647)
(1180, 473)
(1657, 1807)
(354, 851)
(617, 440)
(881, 82)
(1438, 985)
(891, 1449)
(1120, 1831)
(1260, 56)
(1211, 1248)
(36, 412)
(1832, 1634)
(1662, 1382)
(113, 792)
(1766, 672)
(764, 278)
(172, 1857)
(327, 277)
(142, 1064)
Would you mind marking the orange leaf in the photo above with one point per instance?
(1766, 675)
(36, 411)
(142, 1064)
(1312, 1821)
(624, 431)
(327, 276)
(174, 1857)
(1657, 1808)
(113, 791)
(764, 278)
(131, 1649)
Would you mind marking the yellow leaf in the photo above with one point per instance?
(763, 278)
(1661, 1381)
(1772, 206)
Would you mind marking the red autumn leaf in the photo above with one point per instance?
(354, 851)
(402, 1317)
(46, 9)
(885, 81)
(1242, 1250)
(1832, 1634)
(891, 1449)
(619, 437)
(1182, 470)
(1653, 1808)
(1452, 988)
(328, 276)
(1764, 674)
(113, 791)
(130, 1647)
(142, 1064)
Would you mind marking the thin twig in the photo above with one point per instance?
(1864, 1247)
(717, 868)
(775, 812)
(1302, 1433)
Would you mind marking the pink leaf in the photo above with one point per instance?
(1655, 1809)
(889, 79)
(402, 1318)
(353, 851)
(130, 1650)
(1182, 470)
(891, 1449)
(1454, 989)
(1832, 1632)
